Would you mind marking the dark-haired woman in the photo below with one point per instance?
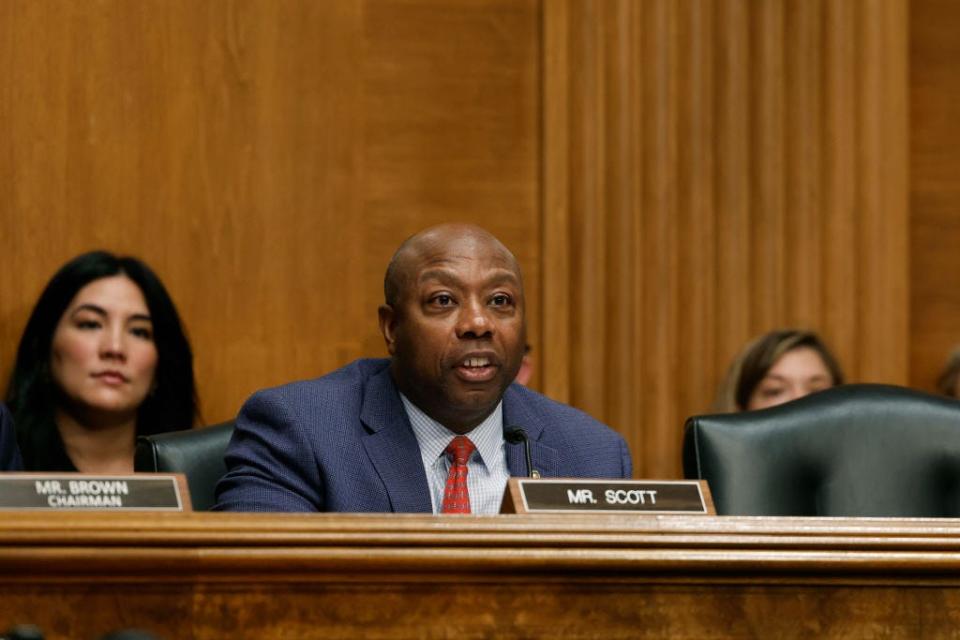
(778, 367)
(103, 359)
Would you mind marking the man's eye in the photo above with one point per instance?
(500, 300)
(443, 300)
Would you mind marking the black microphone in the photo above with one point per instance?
(516, 435)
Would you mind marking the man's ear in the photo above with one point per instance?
(388, 325)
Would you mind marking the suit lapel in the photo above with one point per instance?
(517, 414)
(392, 446)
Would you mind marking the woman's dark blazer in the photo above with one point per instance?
(9, 453)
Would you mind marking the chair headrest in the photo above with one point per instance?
(196, 453)
(854, 450)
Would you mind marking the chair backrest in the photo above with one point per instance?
(196, 453)
(854, 450)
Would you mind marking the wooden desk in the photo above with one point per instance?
(210, 575)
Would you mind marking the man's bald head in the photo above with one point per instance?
(435, 241)
(454, 323)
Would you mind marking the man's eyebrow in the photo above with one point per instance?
(440, 275)
(504, 276)
(445, 277)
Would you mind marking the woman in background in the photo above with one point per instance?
(949, 381)
(103, 359)
(9, 452)
(778, 367)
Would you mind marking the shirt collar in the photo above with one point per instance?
(433, 437)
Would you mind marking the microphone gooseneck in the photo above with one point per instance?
(516, 435)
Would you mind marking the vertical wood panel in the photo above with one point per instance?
(733, 171)
(768, 244)
(804, 215)
(589, 214)
(623, 169)
(884, 325)
(777, 172)
(659, 265)
(842, 249)
(555, 356)
(934, 187)
(696, 207)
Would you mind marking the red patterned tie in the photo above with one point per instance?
(456, 497)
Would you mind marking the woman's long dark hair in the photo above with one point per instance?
(32, 394)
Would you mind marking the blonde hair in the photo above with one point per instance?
(756, 359)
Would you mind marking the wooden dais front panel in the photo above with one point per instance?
(209, 575)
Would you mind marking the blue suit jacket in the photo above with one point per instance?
(343, 442)
(9, 452)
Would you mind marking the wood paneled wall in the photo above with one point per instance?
(715, 170)
(934, 186)
(265, 157)
(675, 176)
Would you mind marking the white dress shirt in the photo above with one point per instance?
(487, 471)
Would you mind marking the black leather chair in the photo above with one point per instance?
(196, 453)
(854, 450)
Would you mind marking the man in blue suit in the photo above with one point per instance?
(422, 431)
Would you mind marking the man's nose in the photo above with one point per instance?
(474, 321)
